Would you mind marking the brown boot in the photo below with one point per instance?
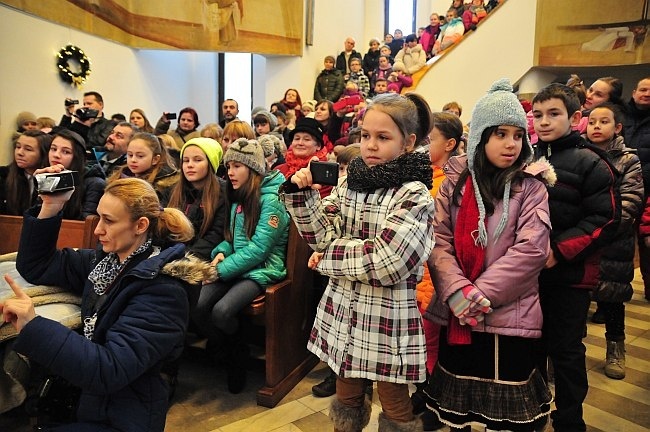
(615, 361)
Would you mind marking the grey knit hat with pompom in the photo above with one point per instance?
(500, 106)
(247, 152)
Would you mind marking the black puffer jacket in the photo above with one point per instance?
(95, 135)
(585, 211)
(637, 136)
(616, 264)
(329, 85)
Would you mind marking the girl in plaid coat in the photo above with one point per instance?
(374, 232)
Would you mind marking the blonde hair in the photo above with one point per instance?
(168, 141)
(157, 148)
(212, 130)
(141, 200)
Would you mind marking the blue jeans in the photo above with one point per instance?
(219, 305)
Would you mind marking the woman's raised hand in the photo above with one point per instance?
(18, 310)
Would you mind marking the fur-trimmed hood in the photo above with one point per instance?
(190, 269)
(542, 170)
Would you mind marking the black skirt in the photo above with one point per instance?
(493, 381)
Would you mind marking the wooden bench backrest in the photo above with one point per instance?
(73, 233)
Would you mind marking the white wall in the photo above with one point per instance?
(155, 81)
(334, 21)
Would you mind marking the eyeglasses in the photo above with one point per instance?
(30, 123)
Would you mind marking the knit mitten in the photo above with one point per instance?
(467, 304)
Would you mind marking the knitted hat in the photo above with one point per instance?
(399, 66)
(393, 87)
(499, 106)
(311, 126)
(210, 147)
(310, 104)
(247, 152)
(24, 117)
(270, 118)
(270, 144)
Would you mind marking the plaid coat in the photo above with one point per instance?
(367, 323)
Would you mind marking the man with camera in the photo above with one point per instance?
(88, 121)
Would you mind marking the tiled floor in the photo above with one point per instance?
(203, 404)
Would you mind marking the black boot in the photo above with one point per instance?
(327, 387)
(238, 355)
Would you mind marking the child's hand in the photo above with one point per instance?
(314, 259)
(217, 259)
(302, 178)
(551, 261)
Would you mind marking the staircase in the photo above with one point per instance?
(503, 45)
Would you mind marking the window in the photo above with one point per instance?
(400, 14)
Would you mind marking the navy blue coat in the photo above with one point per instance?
(140, 326)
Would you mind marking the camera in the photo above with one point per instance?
(70, 102)
(47, 183)
(84, 113)
(324, 173)
(170, 116)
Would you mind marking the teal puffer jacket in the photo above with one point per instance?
(262, 257)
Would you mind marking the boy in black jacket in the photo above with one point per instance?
(585, 211)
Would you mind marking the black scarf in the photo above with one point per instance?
(405, 168)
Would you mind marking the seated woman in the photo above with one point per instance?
(188, 122)
(117, 360)
(251, 257)
(148, 159)
(17, 187)
(306, 142)
(68, 149)
(200, 194)
(139, 119)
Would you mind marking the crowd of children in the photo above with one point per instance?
(461, 263)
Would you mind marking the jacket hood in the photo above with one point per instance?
(175, 262)
(271, 183)
(190, 269)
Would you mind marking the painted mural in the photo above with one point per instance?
(257, 26)
(592, 33)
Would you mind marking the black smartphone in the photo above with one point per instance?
(324, 173)
(170, 116)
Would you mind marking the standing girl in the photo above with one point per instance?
(251, 257)
(492, 239)
(148, 159)
(375, 232)
(17, 191)
(617, 259)
(200, 194)
(69, 150)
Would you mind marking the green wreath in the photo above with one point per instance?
(74, 78)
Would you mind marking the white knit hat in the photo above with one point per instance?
(499, 106)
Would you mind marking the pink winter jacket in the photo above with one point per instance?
(512, 263)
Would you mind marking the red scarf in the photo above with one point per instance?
(294, 163)
(470, 257)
